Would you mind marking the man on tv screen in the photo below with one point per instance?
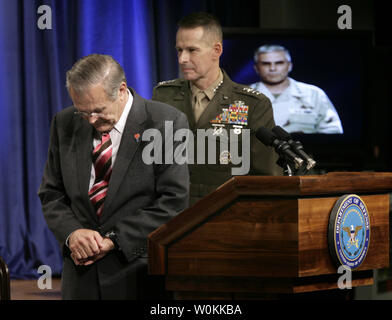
(297, 106)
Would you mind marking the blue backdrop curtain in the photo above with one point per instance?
(139, 34)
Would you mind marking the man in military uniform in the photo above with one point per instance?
(212, 101)
(298, 106)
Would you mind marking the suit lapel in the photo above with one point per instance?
(84, 147)
(128, 146)
(213, 109)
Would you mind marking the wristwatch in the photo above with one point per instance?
(112, 236)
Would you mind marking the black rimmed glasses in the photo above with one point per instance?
(87, 115)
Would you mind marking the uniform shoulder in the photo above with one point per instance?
(163, 111)
(66, 113)
(66, 118)
(170, 83)
(307, 88)
(247, 91)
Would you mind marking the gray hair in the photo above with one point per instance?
(96, 69)
(271, 48)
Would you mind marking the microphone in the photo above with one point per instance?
(282, 147)
(295, 145)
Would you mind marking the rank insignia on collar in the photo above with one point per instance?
(236, 114)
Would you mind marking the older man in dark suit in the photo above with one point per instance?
(99, 196)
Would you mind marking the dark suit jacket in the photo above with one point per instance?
(140, 198)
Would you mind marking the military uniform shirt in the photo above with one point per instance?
(208, 95)
(302, 107)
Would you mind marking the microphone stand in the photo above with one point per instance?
(288, 171)
(289, 166)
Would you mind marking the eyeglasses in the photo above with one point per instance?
(87, 115)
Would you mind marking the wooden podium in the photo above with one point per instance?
(258, 235)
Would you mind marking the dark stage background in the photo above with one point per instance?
(141, 36)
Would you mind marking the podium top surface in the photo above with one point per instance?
(331, 184)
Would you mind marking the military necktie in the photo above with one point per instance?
(102, 160)
(198, 107)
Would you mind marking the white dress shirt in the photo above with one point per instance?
(115, 136)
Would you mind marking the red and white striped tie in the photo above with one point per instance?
(102, 159)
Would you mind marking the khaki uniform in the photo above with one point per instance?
(303, 107)
(207, 177)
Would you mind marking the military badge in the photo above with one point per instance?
(237, 129)
(218, 129)
(235, 114)
(224, 157)
(349, 231)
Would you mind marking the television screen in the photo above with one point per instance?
(335, 62)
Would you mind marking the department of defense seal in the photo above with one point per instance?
(349, 231)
